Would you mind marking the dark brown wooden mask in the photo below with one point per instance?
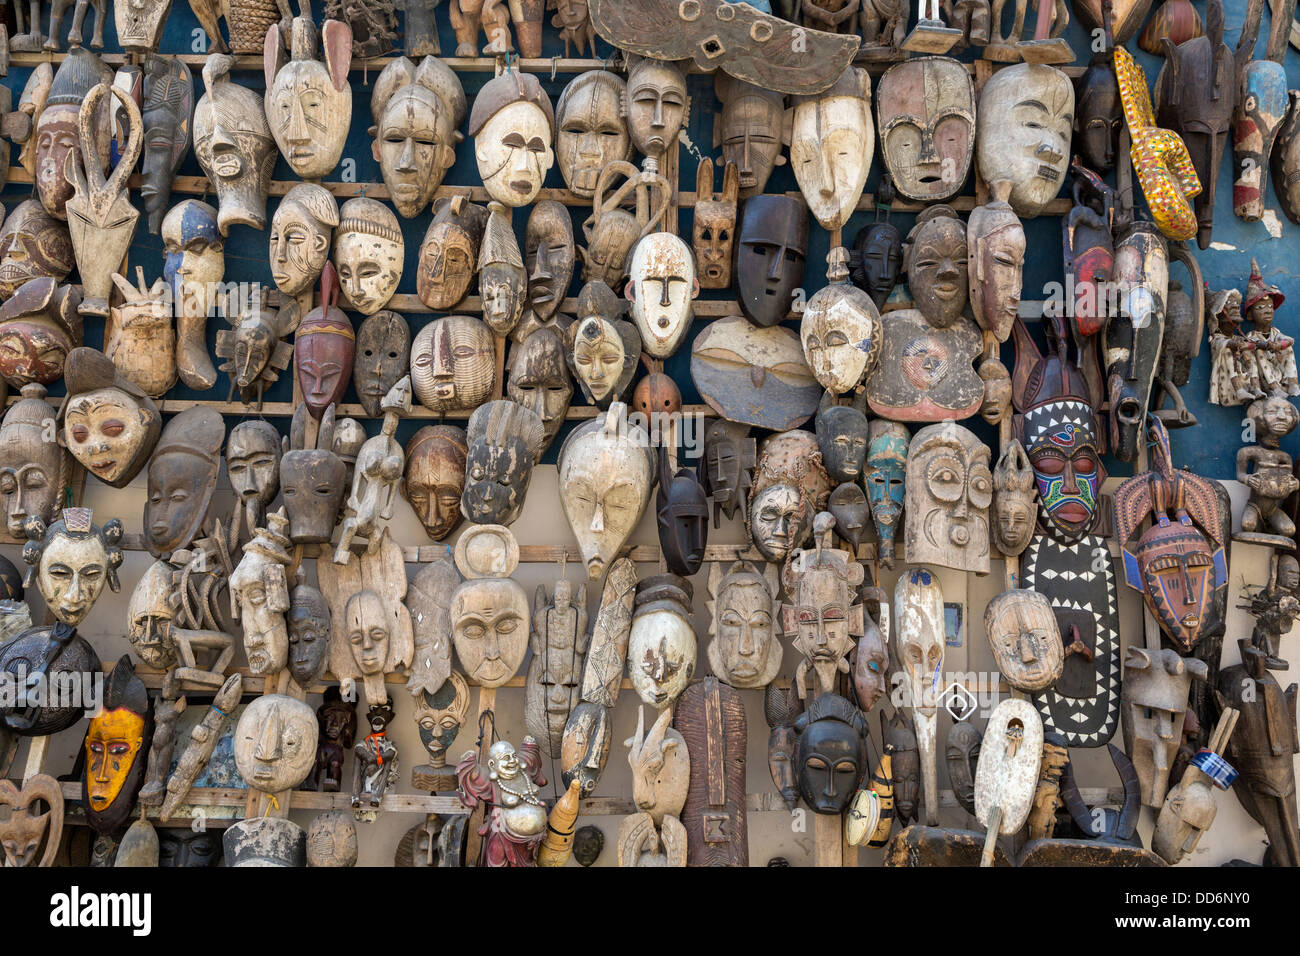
(324, 348)
(729, 453)
(876, 260)
(682, 512)
(168, 123)
(962, 754)
(504, 442)
(57, 652)
(383, 355)
(897, 732)
(548, 257)
(182, 476)
(1099, 114)
(831, 753)
(1284, 165)
(313, 479)
(539, 379)
(842, 438)
(449, 252)
(770, 256)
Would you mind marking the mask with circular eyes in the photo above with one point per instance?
(512, 124)
(926, 112)
(435, 477)
(1026, 117)
(1025, 639)
(275, 743)
(590, 132)
(559, 643)
(830, 753)
(949, 490)
(832, 141)
(309, 101)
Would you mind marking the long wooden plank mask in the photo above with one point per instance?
(711, 718)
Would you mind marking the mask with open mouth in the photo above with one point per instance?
(926, 113)
(936, 259)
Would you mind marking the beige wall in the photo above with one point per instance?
(771, 834)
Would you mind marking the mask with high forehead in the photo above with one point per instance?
(116, 744)
(926, 109)
(1013, 500)
(382, 358)
(505, 441)
(449, 252)
(502, 280)
(682, 516)
(935, 258)
(168, 114)
(309, 102)
(309, 634)
(830, 753)
(1025, 120)
(876, 260)
(1025, 639)
(368, 254)
(842, 439)
(56, 133)
(656, 104)
(435, 477)
(452, 362)
(962, 755)
(848, 503)
(590, 132)
(314, 480)
(110, 426)
(949, 490)
(324, 349)
(275, 743)
(603, 347)
(729, 454)
(770, 256)
(33, 471)
(417, 111)
(182, 475)
(440, 715)
(661, 645)
(489, 611)
(840, 333)
(744, 646)
(71, 561)
(885, 479)
(259, 597)
(661, 287)
(754, 376)
(39, 326)
(919, 623)
(301, 237)
(749, 131)
(33, 245)
(559, 644)
(149, 617)
(606, 470)
(824, 615)
(996, 249)
(871, 660)
(538, 379)
(548, 257)
(832, 141)
(790, 486)
(183, 848)
(233, 144)
(513, 127)
(1100, 115)
(253, 464)
(1156, 685)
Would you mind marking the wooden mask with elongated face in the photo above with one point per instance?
(382, 358)
(435, 477)
(559, 643)
(876, 260)
(840, 333)
(539, 380)
(168, 115)
(324, 349)
(656, 104)
(56, 130)
(418, 111)
(824, 615)
(919, 620)
(452, 363)
(962, 754)
(309, 102)
(259, 596)
(182, 475)
(935, 258)
(1026, 117)
(33, 245)
(790, 487)
(193, 265)
(505, 441)
(548, 257)
(33, 471)
(590, 132)
(368, 254)
(117, 742)
(309, 634)
(749, 131)
(662, 287)
(830, 753)
(996, 248)
(926, 111)
(770, 256)
(301, 236)
(744, 646)
(502, 279)
(233, 143)
(832, 141)
(1014, 511)
(949, 490)
(604, 348)
(713, 231)
(449, 252)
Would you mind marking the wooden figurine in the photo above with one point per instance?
(654, 835)
(33, 471)
(337, 722)
(1047, 794)
(824, 615)
(349, 436)
(234, 146)
(175, 618)
(376, 475)
(1007, 775)
(110, 426)
(182, 475)
(1260, 109)
(31, 836)
(661, 287)
(55, 133)
(309, 101)
(711, 719)
(750, 45)
(507, 784)
(275, 743)
(435, 477)
(749, 132)
(573, 18)
(1267, 472)
(1156, 686)
(452, 364)
(428, 597)
(1014, 510)
(368, 254)
(1026, 117)
(33, 245)
(418, 112)
(790, 487)
(505, 441)
(590, 129)
(840, 331)
(439, 717)
(611, 230)
(884, 475)
(961, 756)
(661, 644)
(512, 124)
(264, 842)
(449, 252)
(714, 226)
(41, 326)
(259, 596)
(830, 753)
(926, 111)
(1274, 351)
(949, 490)
(101, 219)
(925, 373)
(71, 561)
(1025, 640)
(373, 24)
(754, 376)
(729, 456)
(744, 647)
(539, 380)
(770, 256)
(558, 640)
(489, 611)
(996, 247)
(168, 116)
(1189, 808)
(919, 619)
(58, 653)
(313, 480)
(832, 141)
(375, 767)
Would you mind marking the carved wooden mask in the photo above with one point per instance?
(302, 234)
(182, 475)
(1100, 115)
(559, 643)
(502, 280)
(233, 144)
(585, 748)
(168, 115)
(749, 131)
(435, 477)
(539, 380)
(1014, 511)
(876, 260)
(383, 357)
(512, 124)
(925, 373)
(30, 837)
(71, 560)
(842, 439)
(489, 611)
(590, 132)
(259, 596)
(656, 104)
(662, 287)
(368, 254)
(714, 228)
(275, 743)
(68, 654)
(926, 111)
(754, 376)
(309, 634)
(729, 454)
(314, 480)
(832, 141)
(840, 332)
(56, 134)
(33, 471)
(117, 745)
(790, 486)
(660, 769)
(744, 646)
(603, 347)
(449, 252)
(770, 256)
(935, 258)
(139, 335)
(440, 715)
(711, 719)
(505, 441)
(418, 112)
(962, 754)
(885, 479)
(1284, 164)
(33, 245)
(848, 504)
(452, 363)
(1010, 757)
(918, 618)
(831, 753)
(870, 660)
(824, 616)
(193, 266)
(682, 516)
(949, 490)
(606, 471)
(1025, 639)
(661, 646)
(1026, 117)
(548, 257)
(309, 102)
(324, 349)
(39, 327)
(896, 733)
(110, 426)
(996, 246)
(1154, 696)
(139, 25)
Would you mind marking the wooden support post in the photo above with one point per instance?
(487, 703)
(828, 836)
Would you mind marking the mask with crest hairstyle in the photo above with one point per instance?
(435, 477)
(1026, 116)
(830, 753)
(661, 645)
(790, 486)
(885, 478)
(590, 132)
(182, 475)
(935, 258)
(1025, 639)
(110, 426)
(749, 132)
(33, 471)
(1013, 500)
(309, 102)
(168, 115)
(770, 256)
(440, 715)
(548, 257)
(926, 111)
(55, 133)
(949, 490)
(502, 279)
(513, 127)
(382, 358)
(876, 260)
(452, 363)
(489, 610)
(39, 327)
(832, 141)
(682, 513)
(233, 143)
(559, 643)
(324, 349)
(117, 742)
(71, 561)
(539, 380)
(313, 479)
(656, 104)
(996, 248)
(449, 252)
(368, 254)
(259, 596)
(33, 245)
(301, 237)
(661, 287)
(604, 348)
(505, 441)
(417, 111)
(744, 645)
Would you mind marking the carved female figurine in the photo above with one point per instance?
(55, 134)
(324, 349)
(507, 784)
(790, 486)
(259, 597)
(832, 141)
(1014, 508)
(539, 380)
(33, 471)
(1273, 352)
(232, 140)
(489, 611)
(435, 477)
(949, 490)
(559, 643)
(452, 363)
(744, 649)
(375, 477)
(71, 561)
(995, 241)
(1271, 480)
(661, 646)
(168, 115)
(590, 132)
(654, 836)
(513, 127)
(368, 254)
(1026, 117)
(824, 614)
(656, 104)
(275, 743)
(101, 219)
(503, 281)
(39, 327)
(182, 475)
(309, 102)
(505, 441)
(33, 245)
(110, 426)
(606, 471)
(919, 620)
(1025, 639)
(117, 742)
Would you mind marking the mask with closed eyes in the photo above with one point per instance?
(1025, 639)
(830, 753)
(453, 363)
(110, 426)
(749, 131)
(926, 111)
(449, 252)
(309, 101)
(590, 132)
(832, 141)
(489, 611)
(539, 380)
(842, 439)
(435, 477)
(1026, 117)
(744, 646)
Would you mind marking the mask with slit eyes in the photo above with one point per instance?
(1025, 639)
(301, 236)
(309, 101)
(885, 478)
(453, 363)
(449, 252)
(1026, 117)
(489, 611)
(435, 477)
(603, 347)
(744, 646)
(548, 257)
(559, 644)
(770, 256)
(71, 561)
(505, 441)
(656, 104)
(749, 131)
(383, 356)
(962, 754)
(512, 124)
(662, 287)
(590, 132)
(440, 715)
(842, 439)
(832, 141)
(182, 476)
(314, 480)
(539, 380)
(33, 245)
